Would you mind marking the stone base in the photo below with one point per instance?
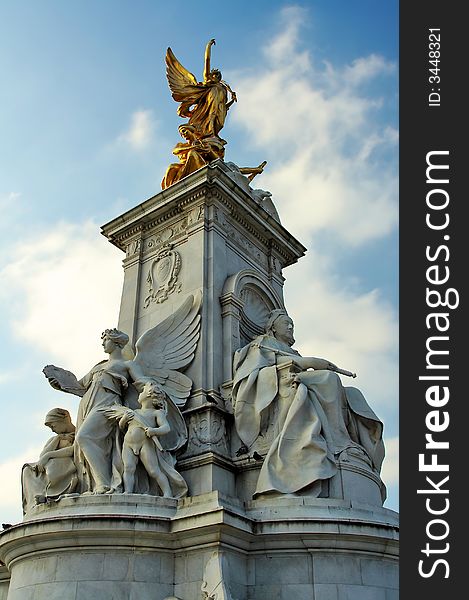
(353, 482)
(4, 582)
(133, 547)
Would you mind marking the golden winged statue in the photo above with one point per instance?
(205, 104)
(209, 98)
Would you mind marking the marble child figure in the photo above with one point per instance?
(55, 472)
(144, 427)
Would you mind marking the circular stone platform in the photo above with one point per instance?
(137, 547)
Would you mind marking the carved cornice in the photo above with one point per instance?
(211, 185)
(208, 457)
(122, 239)
(231, 301)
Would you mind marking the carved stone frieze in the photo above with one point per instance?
(133, 248)
(207, 429)
(241, 241)
(164, 236)
(195, 215)
(158, 240)
(180, 227)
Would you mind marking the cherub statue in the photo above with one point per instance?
(209, 97)
(55, 472)
(148, 440)
(160, 353)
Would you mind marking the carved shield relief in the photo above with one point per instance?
(163, 275)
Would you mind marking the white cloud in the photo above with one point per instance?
(11, 376)
(10, 476)
(63, 290)
(356, 331)
(280, 49)
(331, 158)
(140, 133)
(364, 69)
(390, 472)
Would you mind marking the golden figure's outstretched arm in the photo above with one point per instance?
(207, 59)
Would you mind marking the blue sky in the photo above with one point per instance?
(86, 130)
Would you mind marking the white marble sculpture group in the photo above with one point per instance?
(124, 443)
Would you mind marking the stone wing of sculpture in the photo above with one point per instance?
(170, 346)
(182, 83)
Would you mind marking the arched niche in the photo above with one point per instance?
(246, 302)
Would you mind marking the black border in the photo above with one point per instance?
(424, 128)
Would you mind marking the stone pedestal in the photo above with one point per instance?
(140, 547)
(205, 233)
(4, 582)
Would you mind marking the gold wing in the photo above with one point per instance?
(182, 82)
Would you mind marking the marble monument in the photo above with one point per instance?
(209, 460)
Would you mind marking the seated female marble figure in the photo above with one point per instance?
(315, 419)
(55, 472)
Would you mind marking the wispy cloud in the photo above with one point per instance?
(10, 476)
(364, 69)
(12, 376)
(140, 133)
(62, 290)
(8, 200)
(330, 155)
